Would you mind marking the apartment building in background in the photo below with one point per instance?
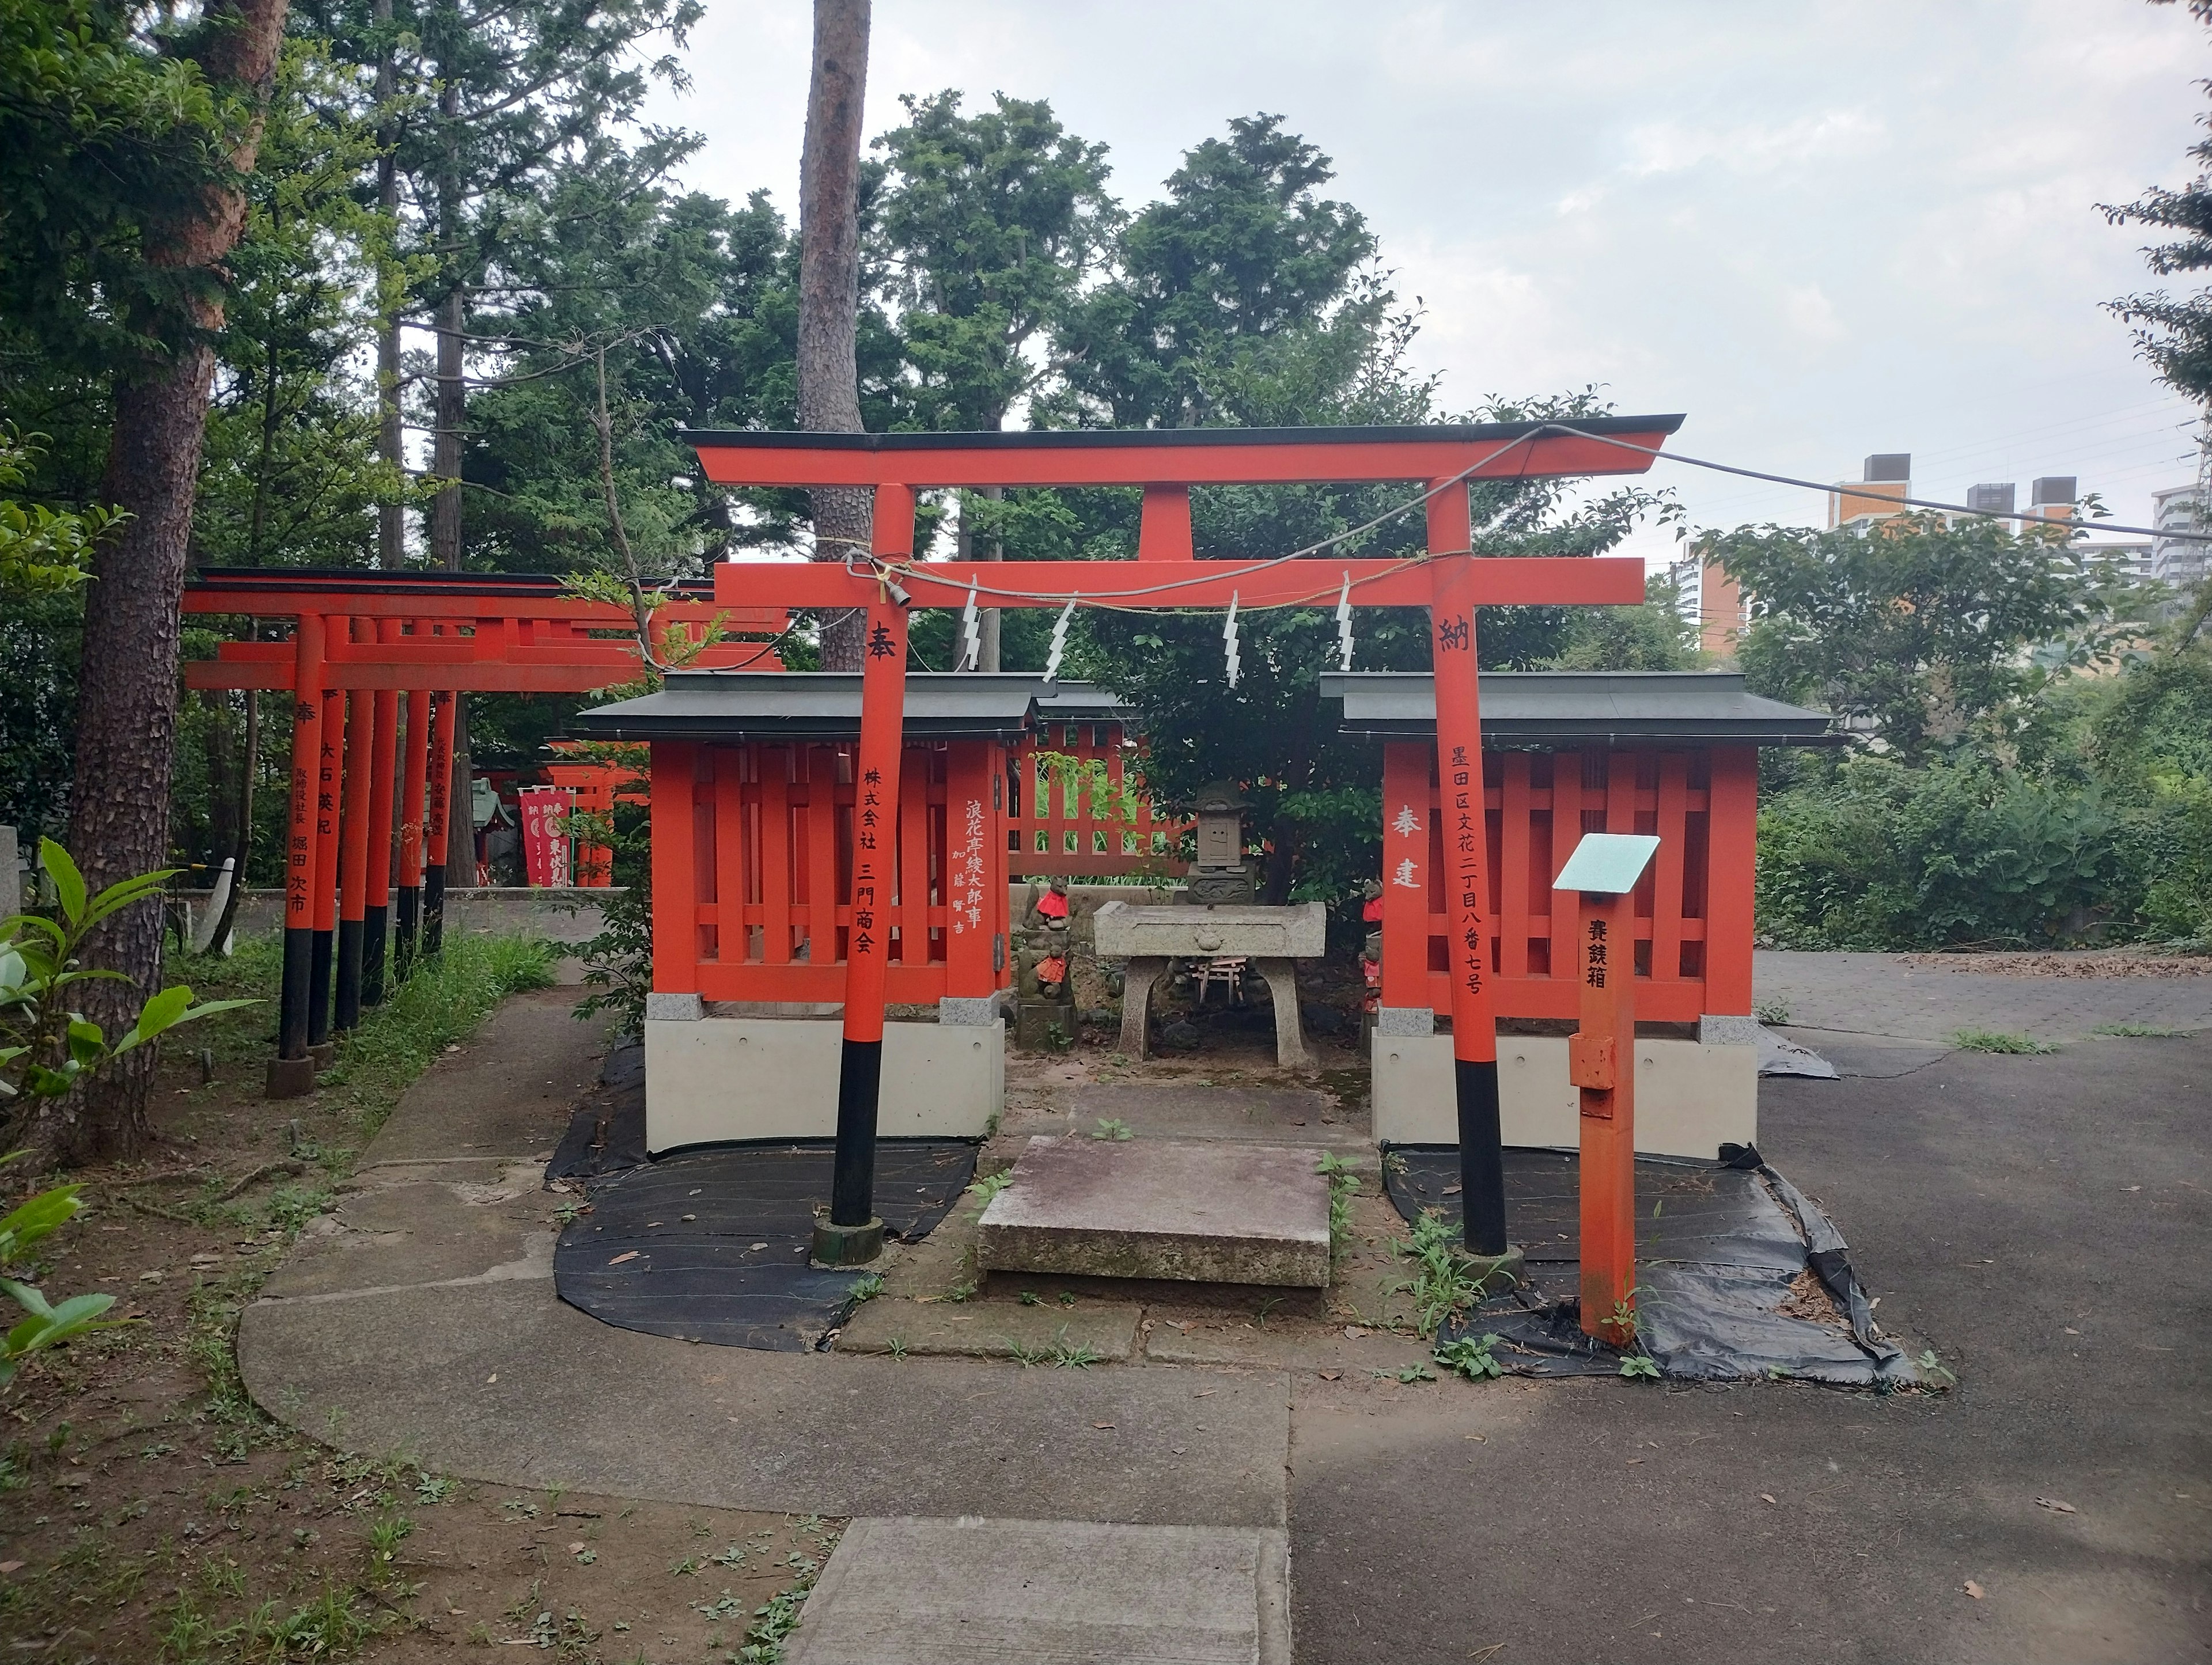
(2180, 562)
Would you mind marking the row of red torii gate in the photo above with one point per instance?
(848, 840)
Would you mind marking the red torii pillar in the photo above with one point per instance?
(853, 1235)
(411, 795)
(326, 854)
(1466, 886)
(292, 1071)
(441, 799)
(383, 760)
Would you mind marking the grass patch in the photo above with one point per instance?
(443, 1003)
(1992, 1040)
(2141, 1031)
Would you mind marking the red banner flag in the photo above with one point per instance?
(545, 812)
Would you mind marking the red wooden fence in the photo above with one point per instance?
(757, 904)
(1693, 909)
(1059, 826)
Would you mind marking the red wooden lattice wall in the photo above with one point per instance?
(1055, 826)
(752, 900)
(1693, 919)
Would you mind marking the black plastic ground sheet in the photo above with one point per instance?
(711, 1245)
(1722, 1251)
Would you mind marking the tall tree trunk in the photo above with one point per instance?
(391, 517)
(127, 687)
(829, 286)
(445, 463)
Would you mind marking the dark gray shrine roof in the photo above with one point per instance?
(795, 705)
(1579, 707)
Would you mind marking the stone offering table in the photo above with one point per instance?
(1271, 937)
(1210, 1212)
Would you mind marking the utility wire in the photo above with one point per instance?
(1910, 502)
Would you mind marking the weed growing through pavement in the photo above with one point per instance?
(895, 1347)
(1343, 1186)
(1932, 1367)
(2139, 1031)
(867, 1288)
(1072, 1355)
(1991, 1040)
(1470, 1357)
(1771, 1012)
(1112, 1127)
(1636, 1367)
(1444, 1284)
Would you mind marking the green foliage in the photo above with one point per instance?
(989, 228)
(1111, 1128)
(1638, 1368)
(1877, 855)
(42, 550)
(47, 1048)
(1925, 633)
(2175, 334)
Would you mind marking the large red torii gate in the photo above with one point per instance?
(1449, 579)
(360, 641)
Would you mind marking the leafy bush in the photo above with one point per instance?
(1965, 852)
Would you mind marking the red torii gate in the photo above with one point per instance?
(1449, 580)
(360, 640)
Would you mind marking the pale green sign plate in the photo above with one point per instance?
(1607, 863)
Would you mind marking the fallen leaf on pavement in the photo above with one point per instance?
(1766, 1496)
(1102, 1425)
(576, 1547)
(1330, 1375)
(2056, 1507)
(627, 1255)
(1973, 1590)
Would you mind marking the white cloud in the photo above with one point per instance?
(1811, 314)
(1667, 146)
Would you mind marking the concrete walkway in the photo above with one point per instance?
(426, 1322)
(2038, 1221)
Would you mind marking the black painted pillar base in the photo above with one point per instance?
(318, 990)
(853, 1178)
(434, 909)
(348, 1016)
(293, 996)
(1481, 1157)
(409, 916)
(375, 927)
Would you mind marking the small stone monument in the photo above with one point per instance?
(1219, 876)
(1044, 988)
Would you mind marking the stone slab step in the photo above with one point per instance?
(1207, 1212)
(994, 1592)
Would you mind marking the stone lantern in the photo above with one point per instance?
(1218, 875)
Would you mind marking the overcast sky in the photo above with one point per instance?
(1818, 230)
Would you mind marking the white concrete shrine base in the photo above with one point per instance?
(1691, 1098)
(712, 1080)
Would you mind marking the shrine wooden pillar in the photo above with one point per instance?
(853, 1235)
(1602, 875)
(383, 760)
(411, 800)
(293, 1072)
(327, 852)
(353, 854)
(442, 702)
(1465, 880)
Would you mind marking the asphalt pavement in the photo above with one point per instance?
(2040, 1222)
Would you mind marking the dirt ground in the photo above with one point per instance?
(148, 1511)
